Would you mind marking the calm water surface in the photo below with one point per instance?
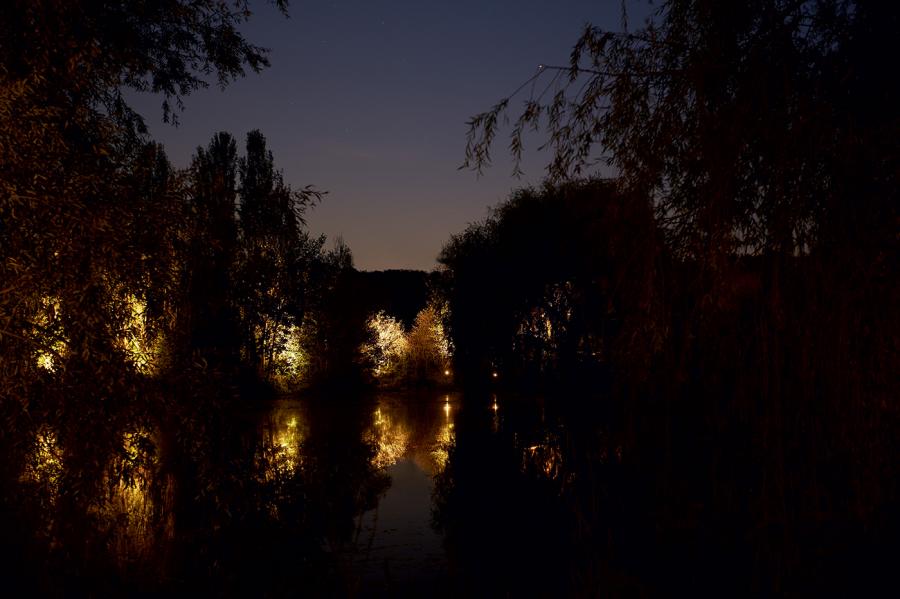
(412, 494)
(422, 493)
(402, 538)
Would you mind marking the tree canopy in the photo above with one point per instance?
(759, 127)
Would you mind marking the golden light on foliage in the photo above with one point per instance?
(291, 359)
(388, 348)
(427, 339)
(44, 464)
(46, 330)
(141, 350)
(423, 351)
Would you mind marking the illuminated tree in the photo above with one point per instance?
(388, 348)
(428, 346)
(93, 216)
(272, 252)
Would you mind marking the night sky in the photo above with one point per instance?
(369, 99)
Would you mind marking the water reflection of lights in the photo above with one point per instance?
(287, 438)
(125, 512)
(129, 509)
(441, 453)
(445, 440)
(390, 438)
(397, 433)
(495, 417)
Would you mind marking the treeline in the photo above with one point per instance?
(756, 402)
(140, 304)
(555, 286)
(733, 292)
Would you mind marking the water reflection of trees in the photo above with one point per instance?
(497, 500)
(267, 511)
(421, 429)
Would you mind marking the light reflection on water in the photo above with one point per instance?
(126, 513)
(390, 437)
(413, 439)
(282, 432)
(421, 431)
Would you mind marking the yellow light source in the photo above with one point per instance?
(446, 373)
(494, 375)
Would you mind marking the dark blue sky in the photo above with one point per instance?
(368, 100)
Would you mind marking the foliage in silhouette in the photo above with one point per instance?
(763, 137)
(556, 282)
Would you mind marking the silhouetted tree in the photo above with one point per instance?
(272, 252)
(797, 86)
(764, 135)
(211, 321)
(557, 278)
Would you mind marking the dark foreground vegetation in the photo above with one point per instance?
(714, 330)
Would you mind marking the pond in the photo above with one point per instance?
(422, 494)
(417, 523)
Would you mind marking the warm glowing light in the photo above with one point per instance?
(545, 457)
(129, 510)
(389, 347)
(291, 360)
(281, 454)
(390, 438)
(445, 440)
(44, 465)
(446, 373)
(494, 374)
(44, 322)
(138, 346)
